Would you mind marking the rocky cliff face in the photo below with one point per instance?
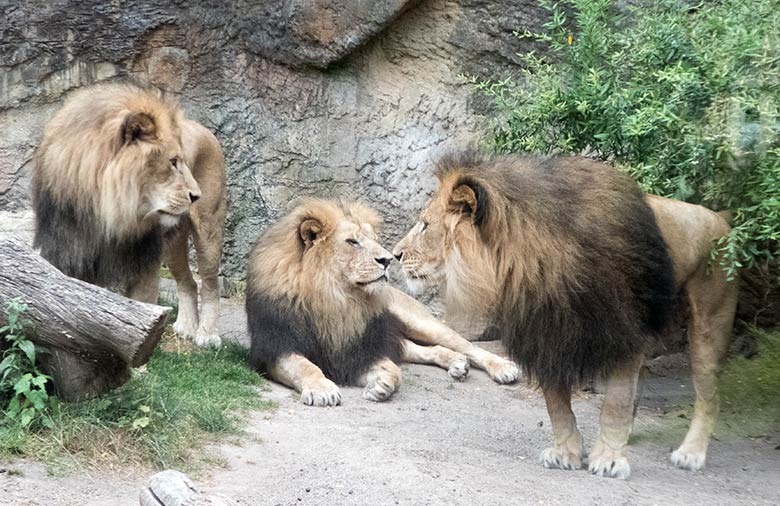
(308, 97)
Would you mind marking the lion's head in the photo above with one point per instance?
(562, 255)
(495, 232)
(445, 248)
(324, 257)
(114, 153)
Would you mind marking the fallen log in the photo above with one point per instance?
(172, 488)
(93, 336)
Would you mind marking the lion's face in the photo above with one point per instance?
(324, 257)
(443, 247)
(169, 189)
(423, 250)
(352, 250)
(152, 146)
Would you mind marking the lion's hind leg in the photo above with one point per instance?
(567, 450)
(713, 303)
(187, 290)
(617, 416)
(457, 364)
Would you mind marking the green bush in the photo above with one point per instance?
(682, 95)
(23, 396)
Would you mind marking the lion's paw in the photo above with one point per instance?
(561, 458)
(380, 389)
(504, 371)
(459, 368)
(691, 460)
(609, 463)
(185, 328)
(206, 339)
(322, 393)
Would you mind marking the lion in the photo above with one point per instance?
(581, 275)
(120, 181)
(321, 313)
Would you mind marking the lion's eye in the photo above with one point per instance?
(353, 242)
(174, 163)
(424, 226)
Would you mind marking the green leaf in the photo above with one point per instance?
(29, 350)
(23, 384)
(27, 417)
(40, 380)
(7, 363)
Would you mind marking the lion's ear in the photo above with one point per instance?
(310, 230)
(470, 198)
(137, 126)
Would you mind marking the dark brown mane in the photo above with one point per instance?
(583, 275)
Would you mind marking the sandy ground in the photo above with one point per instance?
(436, 442)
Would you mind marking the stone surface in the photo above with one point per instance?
(325, 97)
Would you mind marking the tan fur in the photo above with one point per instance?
(82, 157)
(306, 259)
(476, 269)
(690, 232)
(325, 286)
(206, 229)
(443, 249)
(425, 329)
(125, 162)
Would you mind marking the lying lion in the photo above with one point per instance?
(320, 312)
(580, 275)
(120, 180)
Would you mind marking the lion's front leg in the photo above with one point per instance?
(567, 450)
(456, 363)
(424, 328)
(186, 322)
(208, 229)
(298, 372)
(381, 380)
(617, 415)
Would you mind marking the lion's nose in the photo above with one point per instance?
(399, 256)
(385, 261)
(194, 197)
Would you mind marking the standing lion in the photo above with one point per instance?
(580, 275)
(320, 312)
(115, 185)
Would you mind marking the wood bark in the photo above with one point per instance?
(93, 335)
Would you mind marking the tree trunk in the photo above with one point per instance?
(172, 488)
(93, 335)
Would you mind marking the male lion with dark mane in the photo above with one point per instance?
(115, 184)
(320, 312)
(580, 275)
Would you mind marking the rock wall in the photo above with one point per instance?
(308, 97)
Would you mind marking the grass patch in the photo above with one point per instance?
(750, 389)
(158, 419)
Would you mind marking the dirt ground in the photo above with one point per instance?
(437, 442)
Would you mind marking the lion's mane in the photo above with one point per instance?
(86, 190)
(298, 302)
(567, 256)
